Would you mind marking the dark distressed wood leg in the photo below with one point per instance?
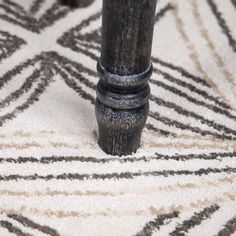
(123, 92)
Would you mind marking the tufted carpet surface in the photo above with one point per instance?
(54, 179)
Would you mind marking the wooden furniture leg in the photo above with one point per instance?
(123, 92)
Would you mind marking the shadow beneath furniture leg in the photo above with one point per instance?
(76, 3)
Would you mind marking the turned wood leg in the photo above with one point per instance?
(123, 92)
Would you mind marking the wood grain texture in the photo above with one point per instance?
(124, 67)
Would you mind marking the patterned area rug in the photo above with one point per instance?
(54, 179)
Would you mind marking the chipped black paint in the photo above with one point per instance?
(122, 105)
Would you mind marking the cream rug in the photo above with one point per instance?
(54, 179)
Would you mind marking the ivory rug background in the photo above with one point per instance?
(54, 179)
